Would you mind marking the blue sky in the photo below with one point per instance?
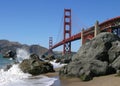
(34, 21)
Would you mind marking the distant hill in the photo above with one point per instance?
(6, 45)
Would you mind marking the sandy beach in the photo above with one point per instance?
(108, 80)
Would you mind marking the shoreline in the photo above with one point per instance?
(63, 81)
(108, 80)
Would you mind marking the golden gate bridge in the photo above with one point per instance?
(112, 25)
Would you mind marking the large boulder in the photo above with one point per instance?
(94, 58)
(35, 66)
(97, 48)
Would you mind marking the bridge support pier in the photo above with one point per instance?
(96, 29)
(82, 37)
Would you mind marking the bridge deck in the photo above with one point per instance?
(114, 22)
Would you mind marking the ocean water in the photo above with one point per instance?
(15, 77)
(4, 61)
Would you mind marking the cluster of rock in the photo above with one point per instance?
(35, 66)
(63, 59)
(100, 56)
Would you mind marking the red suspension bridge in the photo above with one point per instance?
(111, 25)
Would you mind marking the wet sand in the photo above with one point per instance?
(109, 80)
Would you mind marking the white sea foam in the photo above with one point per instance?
(15, 77)
(56, 65)
(22, 54)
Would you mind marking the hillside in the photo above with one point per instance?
(6, 45)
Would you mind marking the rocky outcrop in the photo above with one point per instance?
(10, 54)
(100, 56)
(35, 66)
(6, 45)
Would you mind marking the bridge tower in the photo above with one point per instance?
(67, 31)
(50, 43)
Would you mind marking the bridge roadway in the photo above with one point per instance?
(106, 25)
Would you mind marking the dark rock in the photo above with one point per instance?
(10, 54)
(81, 69)
(99, 56)
(35, 67)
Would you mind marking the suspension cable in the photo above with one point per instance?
(80, 25)
(60, 31)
